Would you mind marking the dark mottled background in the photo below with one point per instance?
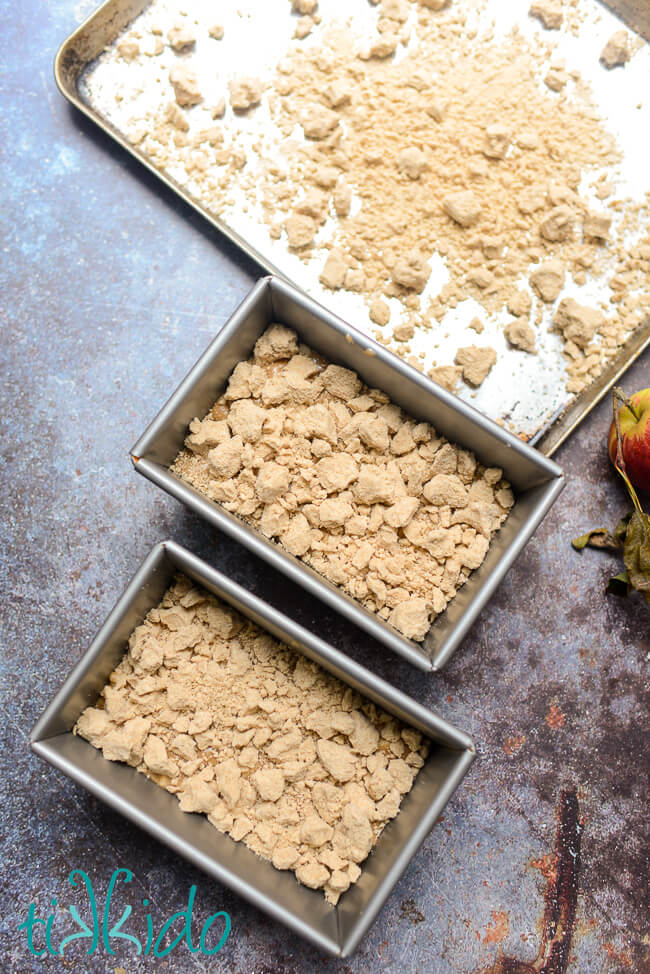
(109, 290)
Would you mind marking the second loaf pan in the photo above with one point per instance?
(536, 481)
(335, 929)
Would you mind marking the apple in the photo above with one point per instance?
(635, 439)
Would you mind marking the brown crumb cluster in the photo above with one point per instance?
(275, 751)
(342, 478)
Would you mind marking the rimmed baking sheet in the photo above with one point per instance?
(526, 392)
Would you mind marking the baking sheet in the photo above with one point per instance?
(526, 392)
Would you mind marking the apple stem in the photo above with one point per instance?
(618, 396)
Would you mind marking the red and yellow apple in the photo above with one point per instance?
(635, 439)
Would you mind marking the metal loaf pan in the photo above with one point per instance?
(337, 929)
(536, 480)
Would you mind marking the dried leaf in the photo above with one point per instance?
(621, 529)
(619, 585)
(606, 541)
(632, 533)
(598, 538)
(636, 552)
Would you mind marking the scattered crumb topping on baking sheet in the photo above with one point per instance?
(413, 165)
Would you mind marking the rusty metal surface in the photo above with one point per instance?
(541, 861)
(634, 13)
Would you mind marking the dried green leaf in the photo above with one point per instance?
(607, 541)
(619, 585)
(598, 538)
(636, 552)
(621, 529)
